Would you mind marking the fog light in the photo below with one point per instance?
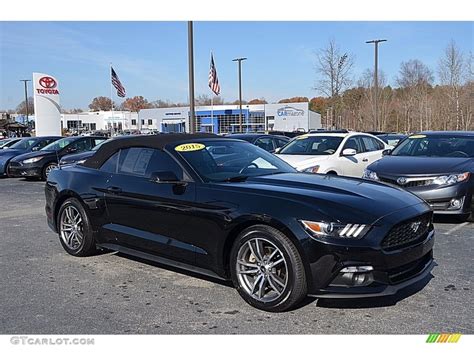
(354, 276)
(455, 204)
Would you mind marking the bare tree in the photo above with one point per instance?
(334, 70)
(451, 71)
(205, 100)
(415, 80)
(21, 108)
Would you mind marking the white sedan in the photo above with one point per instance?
(346, 153)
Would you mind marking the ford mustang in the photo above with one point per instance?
(242, 215)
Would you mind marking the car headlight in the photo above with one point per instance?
(32, 160)
(450, 179)
(312, 169)
(324, 229)
(81, 161)
(370, 175)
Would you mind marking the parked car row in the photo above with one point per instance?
(436, 166)
(36, 157)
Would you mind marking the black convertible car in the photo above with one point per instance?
(244, 215)
(436, 166)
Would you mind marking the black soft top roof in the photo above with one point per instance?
(159, 141)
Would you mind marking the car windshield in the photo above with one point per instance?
(443, 146)
(220, 160)
(312, 145)
(59, 144)
(24, 144)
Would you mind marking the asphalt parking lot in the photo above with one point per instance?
(44, 290)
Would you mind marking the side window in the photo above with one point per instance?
(97, 141)
(81, 145)
(44, 143)
(110, 165)
(265, 143)
(354, 143)
(162, 161)
(280, 142)
(371, 144)
(134, 161)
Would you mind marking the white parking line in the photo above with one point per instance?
(454, 229)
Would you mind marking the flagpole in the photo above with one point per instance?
(111, 101)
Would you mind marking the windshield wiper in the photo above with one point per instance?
(237, 178)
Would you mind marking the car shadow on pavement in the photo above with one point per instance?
(177, 270)
(375, 302)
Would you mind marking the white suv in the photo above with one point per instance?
(341, 153)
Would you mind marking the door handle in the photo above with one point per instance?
(365, 160)
(114, 189)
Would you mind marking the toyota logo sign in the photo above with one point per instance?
(402, 180)
(48, 86)
(47, 82)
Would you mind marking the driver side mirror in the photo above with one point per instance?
(348, 152)
(166, 177)
(35, 149)
(386, 151)
(277, 150)
(71, 150)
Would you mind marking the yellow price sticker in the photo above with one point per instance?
(417, 136)
(189, 147)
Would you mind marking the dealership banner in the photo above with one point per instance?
(47, 109)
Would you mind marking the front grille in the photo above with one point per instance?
(14, 164)
(407, 271)
(408, 232)
(409, 183)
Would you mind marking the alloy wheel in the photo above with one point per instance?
(50, 168)
(71, 228)
(262, 269)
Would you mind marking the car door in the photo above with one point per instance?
(373, 149)
(353, 165)
(148, 216)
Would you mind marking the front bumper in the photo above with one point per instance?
(392, 269)
(440, 198)
(17, 170)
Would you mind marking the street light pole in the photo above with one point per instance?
(25, 81)
(376, 78)
(192, 120)
(239, 60)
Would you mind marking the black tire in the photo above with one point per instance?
(87, 246)
(296, 286)
(44, 173)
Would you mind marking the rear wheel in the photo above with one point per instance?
(267, 269)
(75, 231)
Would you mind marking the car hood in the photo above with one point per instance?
(40, 153)
(406, 166)
(348, 199)
(8, 153)
(302, 161)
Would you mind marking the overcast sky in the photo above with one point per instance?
(151, 57)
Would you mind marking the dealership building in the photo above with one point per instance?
(226, 118)
(217, 119)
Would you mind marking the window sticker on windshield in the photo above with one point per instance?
(417, 136)
(189, 147)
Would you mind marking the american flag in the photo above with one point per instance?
(117, 84)
(213, 80)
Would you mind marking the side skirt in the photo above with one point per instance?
(161, 260)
